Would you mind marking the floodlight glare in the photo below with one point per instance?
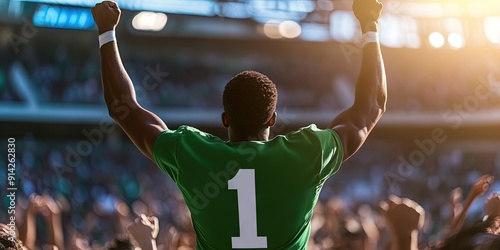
(436, 39)
(271, 29)
(491, 30)
(290, 29)
(456, 40)
(149, 21)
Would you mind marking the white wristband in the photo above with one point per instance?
(370, 37)
(106, 37)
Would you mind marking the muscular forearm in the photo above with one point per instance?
(117, 87)
(140, 125)
(356, 122)
(371, 90)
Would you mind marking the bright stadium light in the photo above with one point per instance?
(149, 21)
(456, 40)
(491, 30)
(290, 29)
(436, 39)
(271, 29)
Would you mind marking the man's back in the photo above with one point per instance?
(250, 194)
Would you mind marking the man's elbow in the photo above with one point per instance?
(382, 103)
(381, 109)
(377, 110)
(380, 112)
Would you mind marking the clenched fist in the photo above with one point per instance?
(145, 230)
(481, 185)
(106, 16)
(403, 215)
(492, 207)
(367, 12)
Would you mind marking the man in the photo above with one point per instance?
(249, 192)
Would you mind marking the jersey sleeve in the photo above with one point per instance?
(164, 152)
(332, 152)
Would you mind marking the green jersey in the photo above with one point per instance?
(250, 194)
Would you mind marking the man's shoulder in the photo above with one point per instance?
(186, 131)
(311, 138)
(311, 129)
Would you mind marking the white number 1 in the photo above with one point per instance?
(244, 183)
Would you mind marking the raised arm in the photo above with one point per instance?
(478, 189)
(141, 126)
(144, 230)
(354, 124)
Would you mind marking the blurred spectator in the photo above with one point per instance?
(99, 196)
(405, 218)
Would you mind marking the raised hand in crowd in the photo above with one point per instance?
(492, 207)
(144, 230)
(478, 189)
(405, 218)
(45, 206)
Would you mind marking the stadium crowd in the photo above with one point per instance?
(191, 80)
(306, 77)
(87, 201)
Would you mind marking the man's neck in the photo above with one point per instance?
(263, 135)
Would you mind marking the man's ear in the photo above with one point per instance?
(272, 120)
(223, 117)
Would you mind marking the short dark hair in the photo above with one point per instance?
(8, 244)
(249, 101)
(121, 242)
